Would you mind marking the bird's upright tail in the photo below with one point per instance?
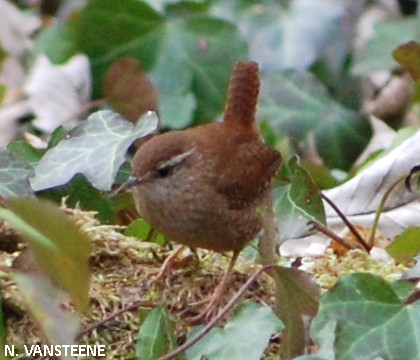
(243, 95)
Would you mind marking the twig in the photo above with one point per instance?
(322, 228)
(89, 329)
(350, 226)
(229, 306)
(412, 298)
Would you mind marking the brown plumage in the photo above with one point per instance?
(205, 186)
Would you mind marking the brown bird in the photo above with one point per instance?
(206, 186)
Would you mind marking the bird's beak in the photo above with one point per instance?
(128, 184)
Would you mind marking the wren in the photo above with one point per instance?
(205, 186)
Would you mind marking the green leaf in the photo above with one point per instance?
(194, 67)
(403, 289)
(14, 175)
(3, 57)
(58, 42)
(214, 49)
(263, 29)
(298, 105)
(297, 295)
(302, 291)
(140, 33)
(156, 335)
(58, 134)
(297, 202)
(362, 317)
(44, 302)
(293, 34)
(406, 245)
(389, 34)
(59, 248)
(408, 55)
(244, 337)
(3, 91)
(321, 175)
(95, 148)
(140, 229)
(25, 151)
(79, 192)
(188, 55)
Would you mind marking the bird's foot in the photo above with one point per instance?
(170, 263)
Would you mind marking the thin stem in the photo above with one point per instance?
(229, 306)
(350, 226)
(131, 307)
(407, 181)
(412, 298)
(381, 208)
(323, 229)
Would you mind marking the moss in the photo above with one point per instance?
(330, 267)
(122, 272)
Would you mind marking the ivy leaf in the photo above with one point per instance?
(25, 151)
(57, 41)
(14, 175)
(406, 245)
(60, 250)
(294, 34)
(389, 34)
(298, 105)
(187, 54)
(362, 310)
(244, 337)
(194, 67)
(96, 148)
(80, 192)
(156, 335)
(140, 33)
(297, 203)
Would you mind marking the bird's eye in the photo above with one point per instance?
(164, 171)
(167, 168)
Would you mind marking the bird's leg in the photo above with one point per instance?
(212, 308)
(168, 264)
